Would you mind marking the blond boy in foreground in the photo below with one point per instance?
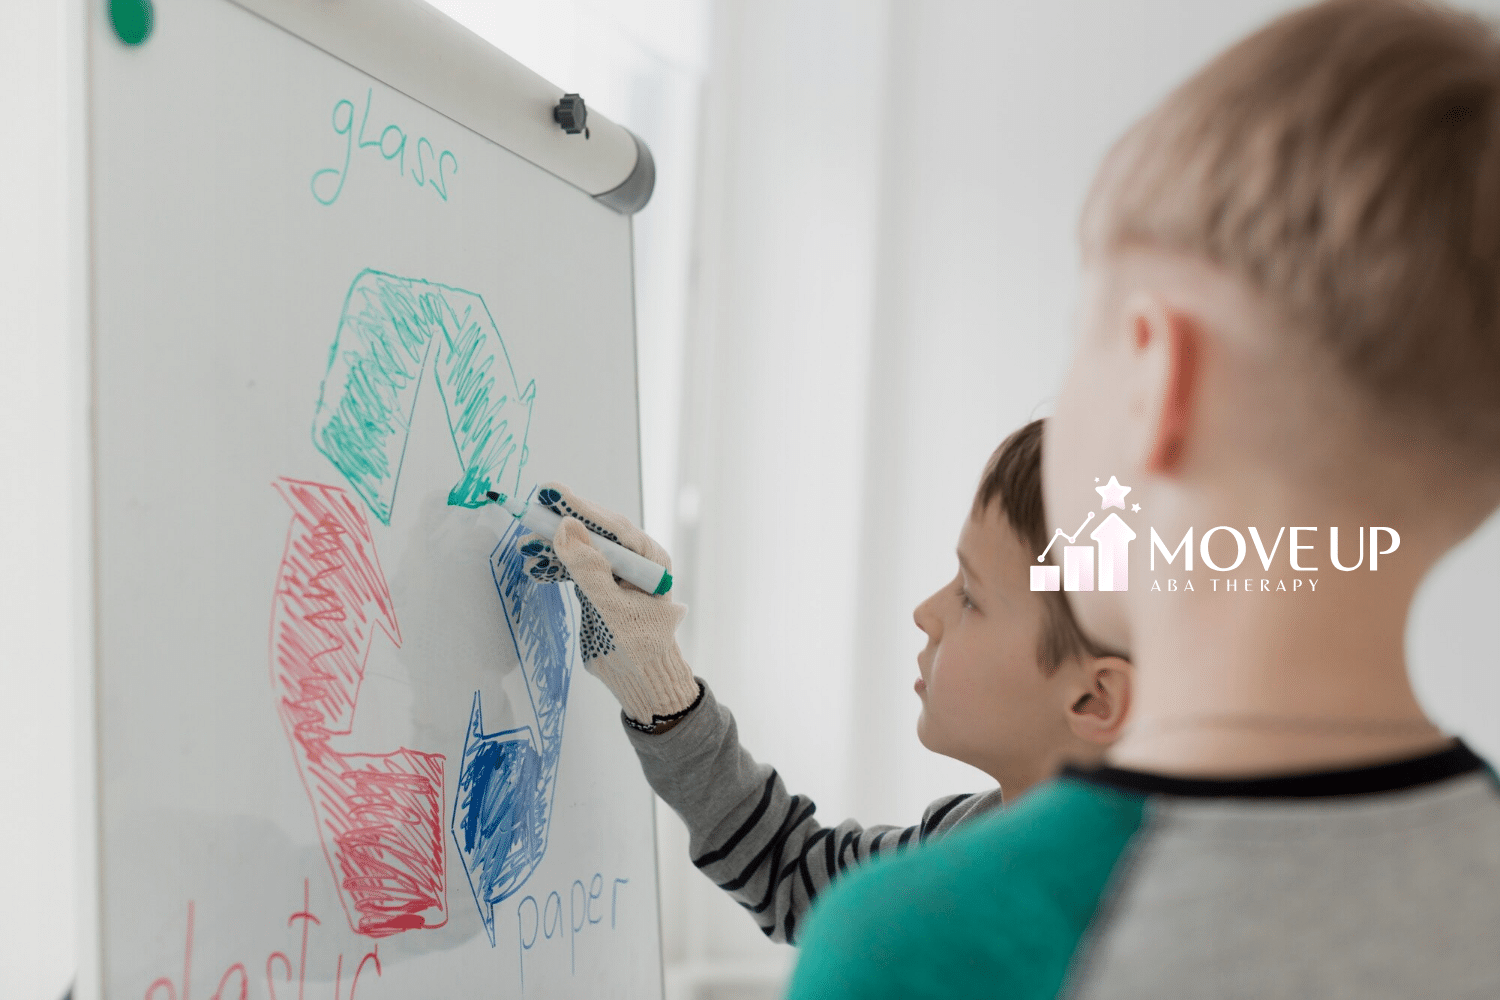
(1007, 682)
(1292, 319)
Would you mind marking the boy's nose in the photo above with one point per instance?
(924, 617)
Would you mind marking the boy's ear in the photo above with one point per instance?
(1172, 344)
(1100, 701)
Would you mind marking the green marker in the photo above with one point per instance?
(132, 20)
(632, 567)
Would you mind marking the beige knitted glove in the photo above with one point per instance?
(628, 638)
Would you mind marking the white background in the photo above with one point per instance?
(856, 275)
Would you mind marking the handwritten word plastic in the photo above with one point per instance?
(281, 977)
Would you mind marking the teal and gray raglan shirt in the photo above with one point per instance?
(1371, 883)
(755, 839)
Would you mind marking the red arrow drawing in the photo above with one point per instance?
(378, 815)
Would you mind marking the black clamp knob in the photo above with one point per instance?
(571, 114)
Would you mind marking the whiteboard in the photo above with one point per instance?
(344, 748)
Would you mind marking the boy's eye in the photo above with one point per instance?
(968, 602)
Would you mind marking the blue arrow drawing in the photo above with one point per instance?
(505, 783)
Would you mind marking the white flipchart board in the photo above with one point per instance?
(347, 274)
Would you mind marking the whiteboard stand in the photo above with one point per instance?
(347, 273)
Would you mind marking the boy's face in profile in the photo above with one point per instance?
(985, 698)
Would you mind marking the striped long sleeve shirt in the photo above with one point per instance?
(753, 838)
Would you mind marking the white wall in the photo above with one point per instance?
(773, 449)
(40, 460)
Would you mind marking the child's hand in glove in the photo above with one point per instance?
(628, 637)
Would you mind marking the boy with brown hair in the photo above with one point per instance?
(1291, 329)
(1008, 685)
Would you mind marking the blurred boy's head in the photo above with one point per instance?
(1292, 272)
(1008, 682)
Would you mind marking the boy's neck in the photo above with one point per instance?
(1245, 684)
(1016, 778)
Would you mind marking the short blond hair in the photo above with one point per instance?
(1344, 162)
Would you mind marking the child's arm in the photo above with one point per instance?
(756, 840)
(753, 838)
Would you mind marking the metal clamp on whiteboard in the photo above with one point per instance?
(572, 114)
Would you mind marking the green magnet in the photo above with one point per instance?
(132, 20)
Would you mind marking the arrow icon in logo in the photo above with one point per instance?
(1114, 537)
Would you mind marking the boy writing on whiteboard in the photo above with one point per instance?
(1291, 320)
(1008, 684)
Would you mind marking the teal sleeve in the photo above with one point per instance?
(995, 909)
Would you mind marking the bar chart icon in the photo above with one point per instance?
(1082, 569)
(1046, 578)
(1078, 567)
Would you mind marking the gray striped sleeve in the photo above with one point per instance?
(756, 840)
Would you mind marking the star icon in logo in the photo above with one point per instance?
(1113, 494)
(1136, 508)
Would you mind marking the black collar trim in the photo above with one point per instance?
(1457, 760)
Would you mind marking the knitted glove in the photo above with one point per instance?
(627, 637)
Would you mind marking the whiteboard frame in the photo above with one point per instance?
(608, 162)
(613, 165)
(88, 889)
